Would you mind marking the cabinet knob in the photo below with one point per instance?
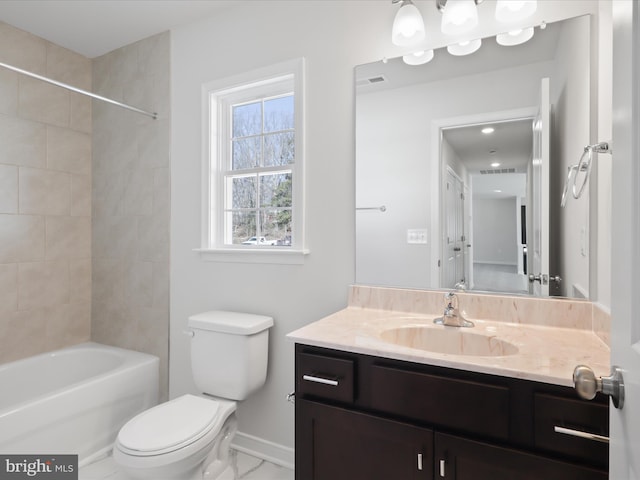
(587, 384)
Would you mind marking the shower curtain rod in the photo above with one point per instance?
(79, 90)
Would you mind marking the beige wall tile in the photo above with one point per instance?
(8, 92)
(22, 49)
(21, 238)
(42, 284)
(8, 189)
(8, 287)
(43, 192)
(22, 334)
(22, 142)
(68, 67)
(81, 195)
(80, 280)
(67, 238)
(67, 324)
(68, 151)
(80, 114)
(43, 102)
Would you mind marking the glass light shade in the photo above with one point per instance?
(408, 26)
(515, 10)
(418, 58)
(464, 48)
(459, 16)
(515, 37)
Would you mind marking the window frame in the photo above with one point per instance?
(217, 98)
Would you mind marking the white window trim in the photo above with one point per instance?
(211, 251)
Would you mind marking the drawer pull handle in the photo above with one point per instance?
(324, 381)
(442, 464)
(578, 433)
(419, 461)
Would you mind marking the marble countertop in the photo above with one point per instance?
(544, 354)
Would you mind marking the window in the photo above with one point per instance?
(254, 163)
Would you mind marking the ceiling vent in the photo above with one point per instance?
(494, 171)
(371, 80)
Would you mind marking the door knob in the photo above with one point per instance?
(587, 384)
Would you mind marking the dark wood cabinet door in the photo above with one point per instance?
(462, 459)
(337, 444)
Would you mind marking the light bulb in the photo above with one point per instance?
(418, 58)
(408, 26)
(464, 48)
(459, 16)
(515, 10)
(515, 37)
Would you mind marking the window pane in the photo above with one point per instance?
(275, 190)
(279, 149)
(246, 153)
(276, 225)
(278, 114)
(243, 192)
(247, 119)
(241, 225)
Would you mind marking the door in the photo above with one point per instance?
(340, 444)
(625, 301)
(453, 234)
(538, 249)
(461, 459)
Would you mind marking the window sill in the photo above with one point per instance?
(253, 255)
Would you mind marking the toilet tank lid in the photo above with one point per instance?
(235, 323)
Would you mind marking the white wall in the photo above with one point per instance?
(333, 36)
(570, 98)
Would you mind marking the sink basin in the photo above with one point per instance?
(448, 340)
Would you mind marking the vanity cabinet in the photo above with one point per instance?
(367, 417)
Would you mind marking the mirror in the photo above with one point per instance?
(440, 204)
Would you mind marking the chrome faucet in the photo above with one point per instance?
(452, 316)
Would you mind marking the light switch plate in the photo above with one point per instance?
(417, 236)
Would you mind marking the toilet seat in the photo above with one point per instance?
(170, 426)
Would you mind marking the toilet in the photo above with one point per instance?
(188, 438)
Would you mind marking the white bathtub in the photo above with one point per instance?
(74, 400)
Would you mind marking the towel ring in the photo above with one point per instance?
(584, 165)
(565, 191)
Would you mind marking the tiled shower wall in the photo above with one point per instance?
(45, 198)
(130, 235)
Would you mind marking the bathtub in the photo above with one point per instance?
(74, 400)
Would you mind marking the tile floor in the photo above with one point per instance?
(249, 468)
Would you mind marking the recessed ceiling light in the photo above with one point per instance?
(488, 130)
(497, 191)
(495, 164)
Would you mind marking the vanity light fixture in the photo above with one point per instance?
(464, 48)
(408, 25)
(515, 10)
(515, 37)
(488, 130)
(418, 58)
(458, 16)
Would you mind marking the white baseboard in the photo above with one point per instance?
(264, 449)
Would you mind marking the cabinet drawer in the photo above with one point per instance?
(325, 377)
(459, 404)
(572, 416)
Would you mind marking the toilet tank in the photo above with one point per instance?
(229, 352)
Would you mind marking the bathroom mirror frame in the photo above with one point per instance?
(385, 265)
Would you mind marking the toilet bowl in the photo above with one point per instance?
(188, 438)
(174, 440)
